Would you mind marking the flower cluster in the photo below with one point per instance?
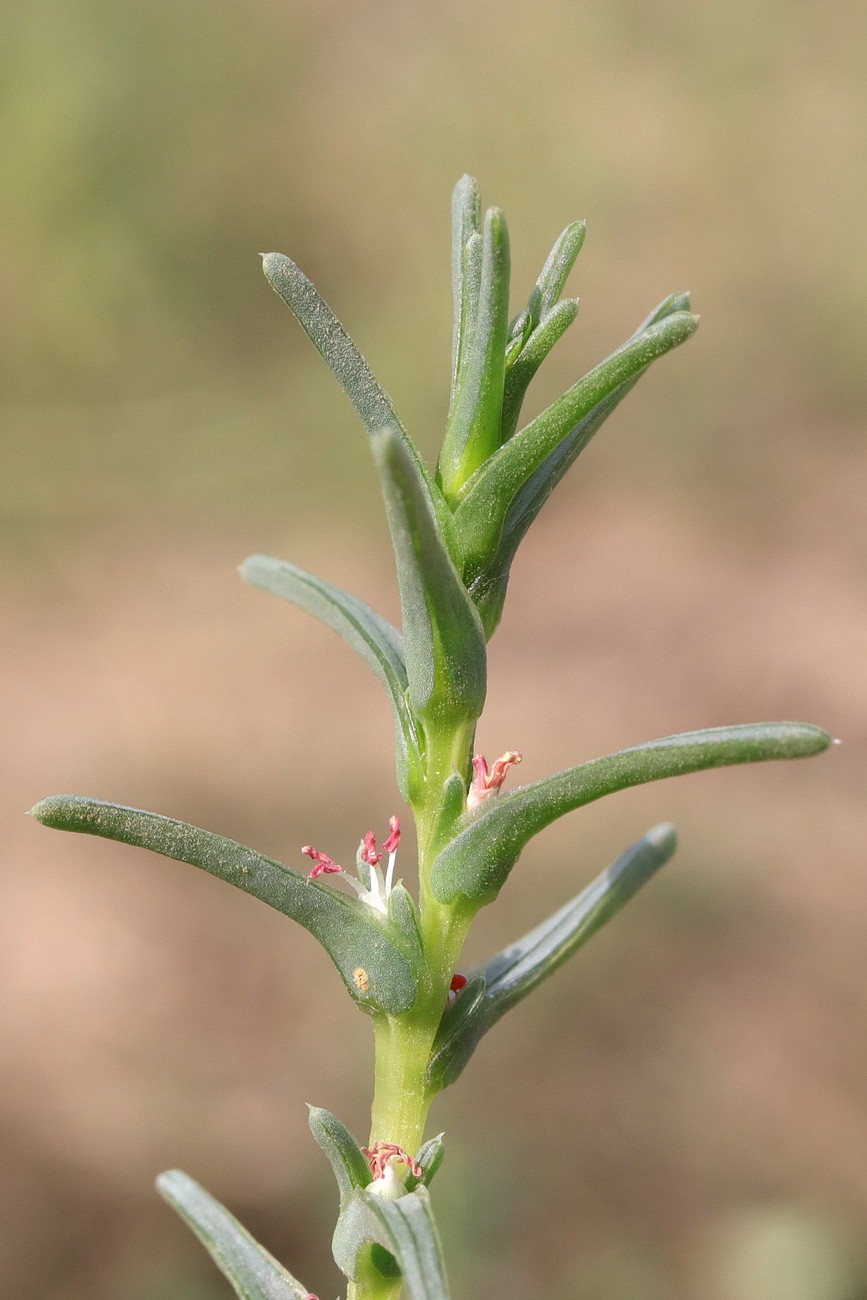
(372, 888)
(487, 781)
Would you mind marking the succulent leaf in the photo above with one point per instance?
(372, 967)
(443, 639)
(252, 1271)
(344, 1154)
(371, 636)
(345, 361)
(496, 985)
(413, 1238)
(473, 429)
(478, 860)
(466, 219)
(555, 272)
(487, 497)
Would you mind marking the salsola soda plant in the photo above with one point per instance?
(455, 534)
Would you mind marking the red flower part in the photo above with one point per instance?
(459, 981)
(322, 860)
(380, 1153)
(391, 844)
(369, 853)
(487, 781)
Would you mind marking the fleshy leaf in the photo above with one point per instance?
(361, 1247)
(478, 860)
(549, 331)
(371, 636)
(488, 588)
(373, 968)
(473, 430)
(555, 272)
(487, 497)
(429, 1158)
(345, 1155)
(466, 219)
(411, 1235)
(499, 983)
(345, 362)
(444, 644)
(252, 1271)
(403, 914)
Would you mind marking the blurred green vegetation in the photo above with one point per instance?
(158, 400)
(151, 150)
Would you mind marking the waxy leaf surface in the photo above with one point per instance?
(375, 971)
(371, 636)
(254, 1274)
(478, 860)
(443, 640)
(499, 983)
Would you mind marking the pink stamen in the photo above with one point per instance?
(322, 860)
(487, 781)
(380, 1153)
(391, 844)
(369, 852)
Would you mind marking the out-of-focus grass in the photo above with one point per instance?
(700, 1080)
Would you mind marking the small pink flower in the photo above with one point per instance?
(368, 852)
(380, 1155)
(378, 894)
(323, 863)
(393, 841)
(487, 781)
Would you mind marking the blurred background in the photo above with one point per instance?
(683, 1111)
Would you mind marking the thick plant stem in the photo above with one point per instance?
(401, 1099)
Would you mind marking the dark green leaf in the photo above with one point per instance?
(371, 636)
(345, 361)
(499, 983)
(253, 1273)
(489, 494)
(444, 644)
(345, 1155)
(375, 971)
(478, 860)
(473, 430)
(550, 329)
(555, 272)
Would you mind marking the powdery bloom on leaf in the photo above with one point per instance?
(487, 781)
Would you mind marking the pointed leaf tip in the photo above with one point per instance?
(478, 860)
(253, 1273)
(498, 984)
(374, 970)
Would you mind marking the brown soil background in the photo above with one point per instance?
(682, 1112)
